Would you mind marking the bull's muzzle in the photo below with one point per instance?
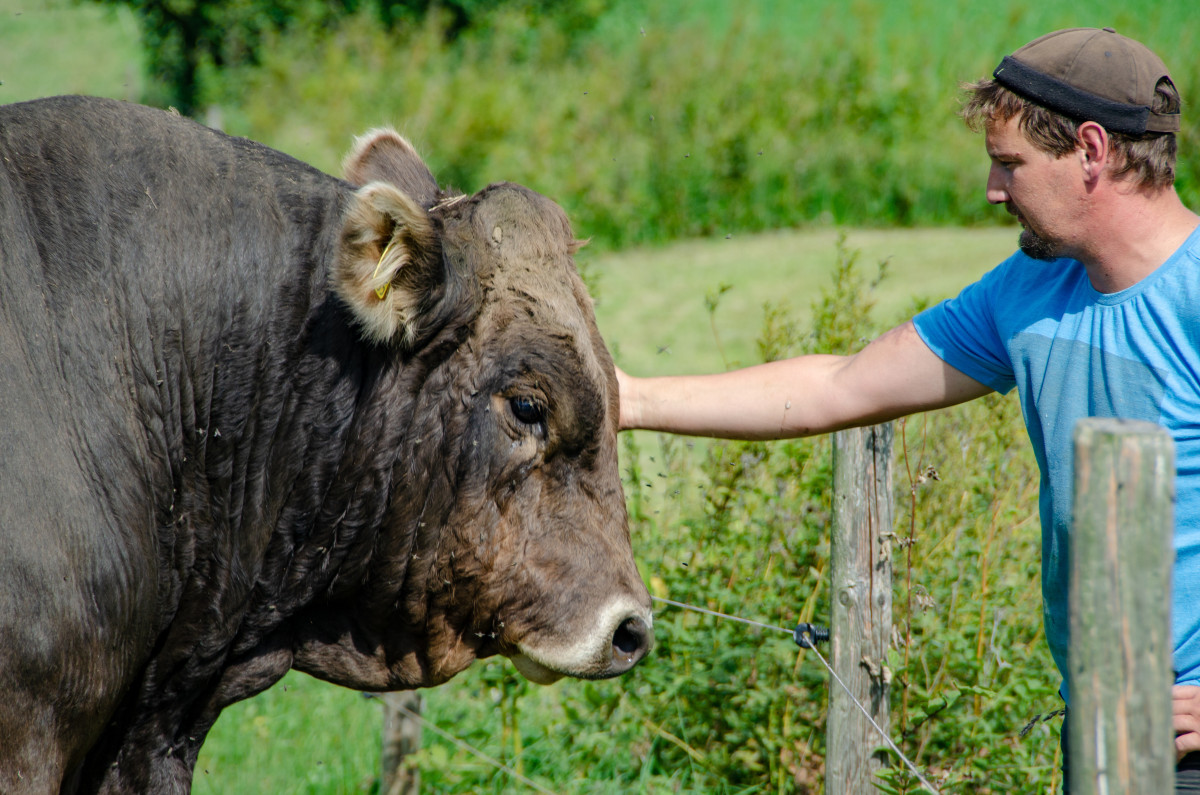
(619, 638)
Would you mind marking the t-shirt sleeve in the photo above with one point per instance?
(964, 334)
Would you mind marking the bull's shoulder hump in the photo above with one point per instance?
(114, 133)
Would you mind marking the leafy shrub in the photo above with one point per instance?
(190, 45)
(652, 123)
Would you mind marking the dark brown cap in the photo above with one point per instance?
(1091, 74)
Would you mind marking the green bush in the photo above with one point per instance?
(189, 45)
(681, 119)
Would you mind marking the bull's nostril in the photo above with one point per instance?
(631, 640)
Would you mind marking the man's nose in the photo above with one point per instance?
(997, 192)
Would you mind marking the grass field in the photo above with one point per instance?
(52, 47)
(651, 301)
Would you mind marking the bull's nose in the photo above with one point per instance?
(630, 643)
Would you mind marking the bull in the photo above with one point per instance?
(254, 418)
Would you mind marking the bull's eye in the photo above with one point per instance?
(527, 410)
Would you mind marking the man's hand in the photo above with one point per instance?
(1185, 706)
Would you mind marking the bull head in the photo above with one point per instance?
(519, 541)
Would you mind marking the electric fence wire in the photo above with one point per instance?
(888, 740)
(473, 750)
(534, 785)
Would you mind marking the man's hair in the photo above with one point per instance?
(1148, 159)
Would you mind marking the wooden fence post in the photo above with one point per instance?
(401, 737)
(861, 621)
(1120, 672)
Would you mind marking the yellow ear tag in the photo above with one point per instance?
(382, 290)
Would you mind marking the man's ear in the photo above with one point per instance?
(1094, 151)
(389, 262)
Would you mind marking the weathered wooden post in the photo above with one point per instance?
(1120, 675)
(401, 737)
(861, 622)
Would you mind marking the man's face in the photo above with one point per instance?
(1036, 187)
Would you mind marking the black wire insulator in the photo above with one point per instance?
(806, 635)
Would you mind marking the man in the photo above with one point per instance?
(1098, 314)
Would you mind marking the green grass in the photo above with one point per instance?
(651, 301)
(50, 47)
(301, 736)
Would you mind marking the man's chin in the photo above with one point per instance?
(1035, 246)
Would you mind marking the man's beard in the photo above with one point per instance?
(1036, 246)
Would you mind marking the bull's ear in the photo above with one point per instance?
(388, 262)
(383, 155)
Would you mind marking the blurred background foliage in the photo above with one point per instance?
(190, 43)
(648, 121)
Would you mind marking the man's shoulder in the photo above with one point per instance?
(1020, 280)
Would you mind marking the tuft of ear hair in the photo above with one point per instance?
(389, 255)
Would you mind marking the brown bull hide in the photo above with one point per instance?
(253, 417)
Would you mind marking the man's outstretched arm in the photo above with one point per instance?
(895, 375)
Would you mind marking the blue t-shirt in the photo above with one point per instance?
(1073, 352)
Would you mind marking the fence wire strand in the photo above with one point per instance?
(812, 647)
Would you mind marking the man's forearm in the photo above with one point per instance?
(771, 401)
(895, 375)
